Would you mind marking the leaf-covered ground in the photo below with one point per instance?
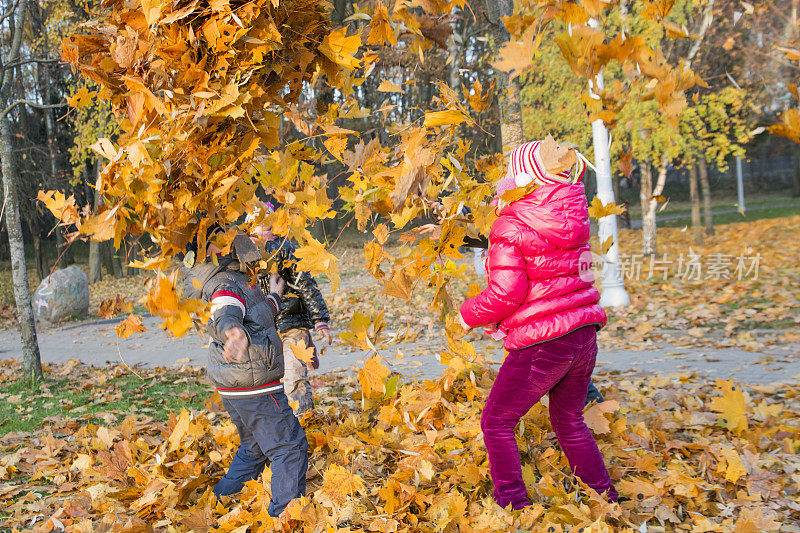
(391, 456)
(104, 449)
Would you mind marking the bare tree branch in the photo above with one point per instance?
(20, 9)
(705, 24)
(10, 11)
(28, 61)
(11, 107)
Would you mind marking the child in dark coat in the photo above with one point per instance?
(303, 308)
(245, 364)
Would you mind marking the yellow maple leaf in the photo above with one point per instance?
(302, 351)
(598, 210)
(448, 509)
(381, 30)
(388, 87)
(112, 307)
(339, 48)
(731, 464)
(607, 244)
(315, 259)
(449, 117)
(82, 97)
(515, 57)
(732, 406)
(132, 324)
(372, 377)
(63, 208)
(595, 416)
(338, 483)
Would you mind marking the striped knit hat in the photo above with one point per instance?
(261, 207)
(525, 166)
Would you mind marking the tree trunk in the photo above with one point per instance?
(95, 248)
(113, 264)
(694, 193)
(41, 266)
(796, 173)
(31, 359)
(706, 188)
(510, 109)
(648, 210)
(454, 73)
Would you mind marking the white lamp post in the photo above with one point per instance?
(614, 293)
(740, 183)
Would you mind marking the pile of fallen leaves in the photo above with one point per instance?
(387, 456)
(723, 311)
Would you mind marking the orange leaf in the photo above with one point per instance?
(132, 324)
(595, 416)
(302, 351)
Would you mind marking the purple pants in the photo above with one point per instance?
(562, 367)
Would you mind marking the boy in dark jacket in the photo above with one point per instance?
(303, 308)
(245, 364)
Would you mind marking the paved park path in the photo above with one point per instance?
(636, 223)
(96, 343)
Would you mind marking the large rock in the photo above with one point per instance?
(63, 294)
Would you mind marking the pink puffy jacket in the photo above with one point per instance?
(539, 287)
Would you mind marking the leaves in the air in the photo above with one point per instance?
(114, 306)
(556, 158)
(132, 324)
(598, 210)
(63, 208)
(302, 351)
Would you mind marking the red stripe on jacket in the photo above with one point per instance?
(227, 293)
(251, 388)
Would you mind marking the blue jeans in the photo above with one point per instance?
(269, 433)
(593, 395)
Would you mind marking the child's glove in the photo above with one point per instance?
(324, 332)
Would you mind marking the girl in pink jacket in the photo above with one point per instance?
(542, 300)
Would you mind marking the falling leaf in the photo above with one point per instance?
(132, 324)
(302, 351)
(444, 118)
(82, 97)
(388, 87)
(598, 210)
(339, 48)
(63, 208)
(607, 244)
(556, 158)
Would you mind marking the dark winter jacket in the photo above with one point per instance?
(234, 302)
(303, 305)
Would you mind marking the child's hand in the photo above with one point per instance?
(236, 344)
(276, 284)
(434, 230)
(325, 335)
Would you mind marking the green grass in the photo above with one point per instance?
(26, 407)
(752, 201)
(730, 218)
